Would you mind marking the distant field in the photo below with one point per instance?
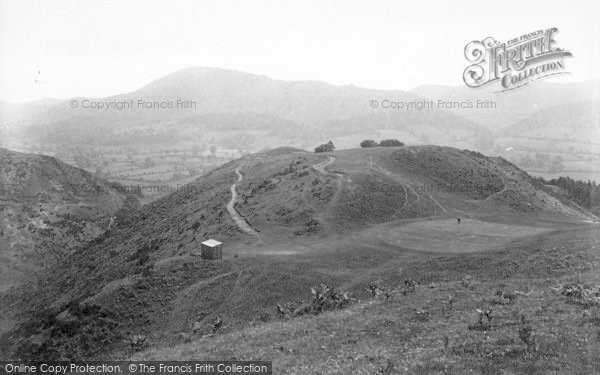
(152, 190)
(447, 236)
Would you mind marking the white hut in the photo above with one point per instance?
(212, 249)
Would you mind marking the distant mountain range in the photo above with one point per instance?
(573, 124)
(203, 104)
(293, 112)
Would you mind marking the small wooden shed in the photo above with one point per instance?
(212, 250)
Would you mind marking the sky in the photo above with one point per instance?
(64, 49)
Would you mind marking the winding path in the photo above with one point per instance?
(233, 212)
(322, 165)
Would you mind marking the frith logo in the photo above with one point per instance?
(514, 63)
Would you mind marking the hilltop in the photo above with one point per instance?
(342, 218)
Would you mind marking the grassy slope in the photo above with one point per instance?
(314, 227)
(422, 332)
(130, 271)
(371, 337)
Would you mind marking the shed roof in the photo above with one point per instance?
(212, 243)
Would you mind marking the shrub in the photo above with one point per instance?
(390, 143)
(585, 295)
(323, 299)
(377, 289)
(368, 143)
(325, 147)
(138, 342)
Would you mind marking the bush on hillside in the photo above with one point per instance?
(323, 299)
(384, 143)
(390, 143)
(583, 294)
(368, 143)
(325, 147)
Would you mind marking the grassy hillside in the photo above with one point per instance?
(537, 326)
(345, 219)
(47, 209)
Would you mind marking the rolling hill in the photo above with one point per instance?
(342, 218)
(512, 106)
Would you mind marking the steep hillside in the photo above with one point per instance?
(133, 271)
(47, 209)
(340, 217)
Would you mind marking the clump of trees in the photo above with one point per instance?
(325, 147)
(585, 194)
(384, 143)
(368, 143)
(390, 143)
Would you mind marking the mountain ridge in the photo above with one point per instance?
(313, 105)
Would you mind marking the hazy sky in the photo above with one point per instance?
(100, 48)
